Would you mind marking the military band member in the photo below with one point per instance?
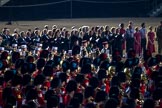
(80, 83)
(85, 30)
(46, 27)
(99, 39)
(2, 42)
(2, 49)
(14, 47)
(21, 39)
(44, 36)
(112, 39)
(24, 50)
(36, 38)
(66, 40)
(15, 38)
(28, 37)
(28, 40)
(119, 41)
(6, 35)
(54, 51)
(105, 48)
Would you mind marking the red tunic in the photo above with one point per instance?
(66, 99)
(138, 106)
(160, 103)
(86, 82)
(47, 84)
(143, 88)
(149, 72)
(1, 100)
(37, 72)
(150, 45)
(40, 98)
(18, 94)
(107, 87)
(80, 89)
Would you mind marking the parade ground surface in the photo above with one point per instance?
(68, 23)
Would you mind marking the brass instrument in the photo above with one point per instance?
(127, 72)
(144, 78)
(111, 71)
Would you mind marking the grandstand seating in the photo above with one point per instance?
(50, 9)
(3, 2)
(156, 12)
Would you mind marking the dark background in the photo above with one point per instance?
(79, 9)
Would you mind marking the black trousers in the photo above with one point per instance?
(129, 44)
(143, 44)
(159, 41)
